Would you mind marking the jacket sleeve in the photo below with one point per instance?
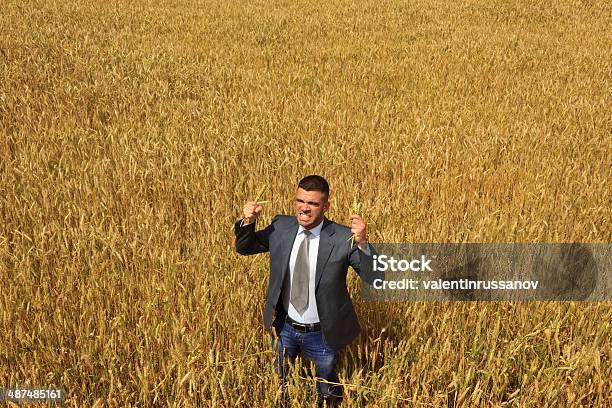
(363, 264)
(249, 241)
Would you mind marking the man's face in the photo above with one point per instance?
(310, 206)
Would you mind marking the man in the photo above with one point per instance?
(307, 299)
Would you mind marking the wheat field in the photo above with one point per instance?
(132, 132)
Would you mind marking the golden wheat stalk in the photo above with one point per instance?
(259, 192)
(355, 209)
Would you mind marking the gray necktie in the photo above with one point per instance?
(301, 275)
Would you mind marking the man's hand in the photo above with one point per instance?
(251, 211)
(358, 228)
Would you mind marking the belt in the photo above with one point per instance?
(303, 327)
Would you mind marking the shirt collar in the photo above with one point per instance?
(316, 231)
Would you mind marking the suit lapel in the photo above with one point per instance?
(326, 244)
(286, 246)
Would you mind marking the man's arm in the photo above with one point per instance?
(362, 261)
(249, 241)
(361, 254)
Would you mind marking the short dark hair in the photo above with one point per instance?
(314, 183)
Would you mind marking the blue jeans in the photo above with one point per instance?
(313, 347)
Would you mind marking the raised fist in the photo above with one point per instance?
(251, 211)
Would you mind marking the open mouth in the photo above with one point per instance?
(304, 216)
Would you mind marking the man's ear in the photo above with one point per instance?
(326, 205)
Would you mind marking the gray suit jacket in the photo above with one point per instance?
(339, 322)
